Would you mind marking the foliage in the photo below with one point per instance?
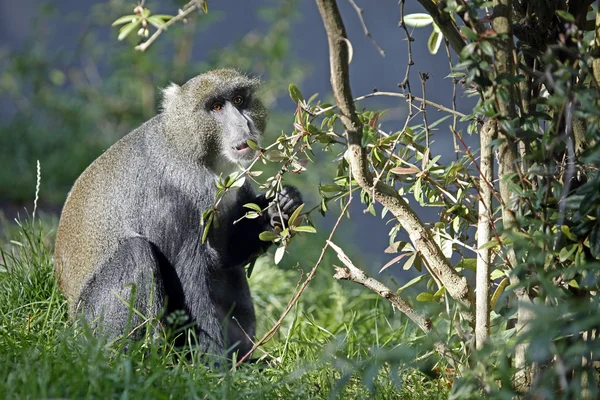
(43, 355)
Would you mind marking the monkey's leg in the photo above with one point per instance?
(128, 283)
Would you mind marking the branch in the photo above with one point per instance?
(456, 285)
(359, 11)
(357, 275)
(183, 13)
(446, 24)
(484, 229)
(403, 96)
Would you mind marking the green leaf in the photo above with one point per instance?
(425, 296)
(279, 253)
(253, 145)
(250, 268)
(253, 206)
(565, 15)
(305, 228)
(252, 215)
(295, 215)
(496, 274)
(595, 241)
(125, 19)
(418, 20)
(238, 183)
(127, 29)
(412, 282)
(295, 94)
(434, 42)
(156, 22)
(207, 225)
(268, 236)
(467, 263)
(501, 286)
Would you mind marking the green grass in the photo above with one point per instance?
(339, 342)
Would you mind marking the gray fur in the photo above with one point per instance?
(133, 217)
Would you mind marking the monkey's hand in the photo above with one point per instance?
(288, 201)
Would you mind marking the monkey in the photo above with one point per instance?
(133, 218)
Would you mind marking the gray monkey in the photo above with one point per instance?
(133, 217)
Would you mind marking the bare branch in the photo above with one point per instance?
(403, 96)
(359, 11)
(484, 230)
(357, 275)
(439, 266)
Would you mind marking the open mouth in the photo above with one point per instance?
(242, 146)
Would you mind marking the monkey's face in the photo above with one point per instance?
(211, 118)
(233, 113)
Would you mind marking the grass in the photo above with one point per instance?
(340, 342)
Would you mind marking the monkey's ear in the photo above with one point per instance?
(170, 95)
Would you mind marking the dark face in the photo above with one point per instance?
(212, 116)
(233, 114)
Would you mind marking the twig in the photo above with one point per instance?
(357, 275)
(359, 11)
(298, 293)
(405, 84)
(183, 13)
(403, 96)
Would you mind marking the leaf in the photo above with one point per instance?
(127, 29)
(393, 261)
(405, 170)
(279, 253)
(252, 215)
(295, 215)
(207, 225)
(305, 228)
(434, 42)
(253, 206)
(497, 274)
(268, 236)
(498, 292)
(253, 145)
(125, 19)
(492, 243)
(467, 263)
(565, 15)
(156, 21)
(418, 20)
(425, 296)
(409, 263)
(295, 94)
(237, 183)
(250, 268)
(595, 241)
(412, 282)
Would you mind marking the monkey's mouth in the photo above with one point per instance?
(242, 146)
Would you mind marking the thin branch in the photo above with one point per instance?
(359, 11)
(267, 336)
(403, 96)
(405, 84)
(183, 13)
(438, 265)
(357, 275)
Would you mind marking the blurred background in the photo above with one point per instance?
(69, 89)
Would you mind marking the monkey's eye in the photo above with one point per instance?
(237, 100)
(216, 106)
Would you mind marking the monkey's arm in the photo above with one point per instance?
(244, 243)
